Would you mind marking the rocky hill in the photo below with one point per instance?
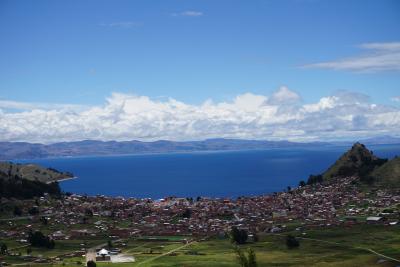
(357, 161)
(361, 162)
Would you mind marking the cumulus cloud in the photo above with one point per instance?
(378, 57)
(279, 116)
(284, 96)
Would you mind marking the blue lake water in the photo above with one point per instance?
(213, 174)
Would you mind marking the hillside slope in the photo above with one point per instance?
(388, 174)
(32, 172)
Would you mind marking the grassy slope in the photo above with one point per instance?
(31, 172)
(388, 174)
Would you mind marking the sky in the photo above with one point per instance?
(300, 70)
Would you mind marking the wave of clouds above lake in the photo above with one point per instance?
(281, 115)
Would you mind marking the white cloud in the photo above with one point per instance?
(379, 57)
(284, 95)
(189, 13)
(250, 116)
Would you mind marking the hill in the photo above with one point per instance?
(25, 181)
(32, 172)
(388, 174)
(357, 161)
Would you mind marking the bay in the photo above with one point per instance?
(207, 174)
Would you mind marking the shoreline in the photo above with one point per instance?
(66, 179)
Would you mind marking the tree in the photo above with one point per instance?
(187, 213)
(109, 244)
(255, 237)
(91, 264)
(17, 211)
(292, 242)
(33, 211)
(89, 212)
(302, 183)
(44, 220)
(251, 258)
(238, 236)
(241, 258)
(314, 179)
(29, 250)
(3, 249)
(38, 239)
(246, 261)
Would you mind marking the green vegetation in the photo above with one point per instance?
(244, 260)
(238, 236)
(38, 239)
(292, 242)
(333, 246)
(31, 172)
(25, 181)
(388, 174)
(26, 189)
(91, 264)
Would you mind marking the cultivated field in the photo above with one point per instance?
(360, 245)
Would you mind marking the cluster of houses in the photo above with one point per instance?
(84, 217)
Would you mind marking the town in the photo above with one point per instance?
(93, 220)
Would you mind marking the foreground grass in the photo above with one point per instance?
(336, 246)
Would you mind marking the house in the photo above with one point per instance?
(103, 255)
(374, 219)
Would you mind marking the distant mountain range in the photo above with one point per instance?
(23, 150)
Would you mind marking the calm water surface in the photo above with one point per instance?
(214, 174)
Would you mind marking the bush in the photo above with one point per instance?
(238, 236)
(91, 264)
(38, 239)
(292, 242)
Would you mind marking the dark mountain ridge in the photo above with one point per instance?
(23, 150)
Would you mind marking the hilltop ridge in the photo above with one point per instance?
(361, 162)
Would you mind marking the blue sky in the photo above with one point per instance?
(70, 52)
(81, 52)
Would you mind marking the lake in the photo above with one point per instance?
(213, 174)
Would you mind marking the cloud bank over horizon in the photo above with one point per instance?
(280, 116)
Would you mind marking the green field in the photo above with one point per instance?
(322, 247)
